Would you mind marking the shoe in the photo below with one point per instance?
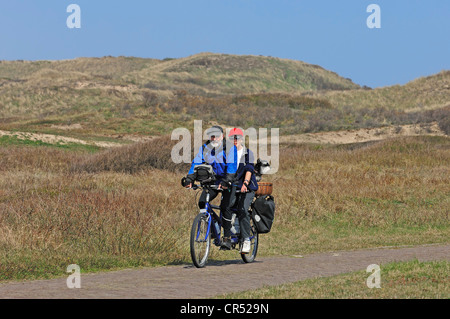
(245, 248)
(226, 244)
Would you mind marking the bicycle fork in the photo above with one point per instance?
(206, 212)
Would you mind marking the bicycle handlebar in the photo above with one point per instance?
(214, 187)
(195, 187)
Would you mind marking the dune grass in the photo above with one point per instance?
(152, 97)
(430, 92)
(393, 192)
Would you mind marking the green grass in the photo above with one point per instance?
(400, 280)
(340, 233)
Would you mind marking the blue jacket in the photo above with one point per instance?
(244, 166)
(207, 155)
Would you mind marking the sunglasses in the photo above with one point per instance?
(235, 137)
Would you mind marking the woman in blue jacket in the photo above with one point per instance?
(245, 182)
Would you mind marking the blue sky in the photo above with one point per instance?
(413, 41)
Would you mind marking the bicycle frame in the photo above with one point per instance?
(208, 224)
(212, 216)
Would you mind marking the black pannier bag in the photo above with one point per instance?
(263, 213)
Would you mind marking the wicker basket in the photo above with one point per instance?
(264, 189)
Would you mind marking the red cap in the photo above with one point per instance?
(236, 131)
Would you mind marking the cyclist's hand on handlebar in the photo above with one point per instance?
(187, 182)
(243, 188)
(224, 185)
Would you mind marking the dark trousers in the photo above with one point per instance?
(212, 194)
(227, 202)
(244, 200)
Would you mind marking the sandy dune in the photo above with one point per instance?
(364, 135)
(337, 137)
(55, 139)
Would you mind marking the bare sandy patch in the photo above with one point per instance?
(92, 85)
(67, 127)
(134, 138)
(56, 139)
(364, 135)
(337, 137)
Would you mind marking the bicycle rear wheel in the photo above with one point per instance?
(254, 240)
(200, 243)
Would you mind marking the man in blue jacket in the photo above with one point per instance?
(214, 153)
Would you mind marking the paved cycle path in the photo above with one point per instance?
(185, 281)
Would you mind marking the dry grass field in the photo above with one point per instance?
(60, 206)
(66, 199)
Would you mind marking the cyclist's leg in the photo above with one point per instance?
(244, 203)
(228, 200)
(202, 200)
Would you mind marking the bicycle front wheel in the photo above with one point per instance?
(200, 242)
